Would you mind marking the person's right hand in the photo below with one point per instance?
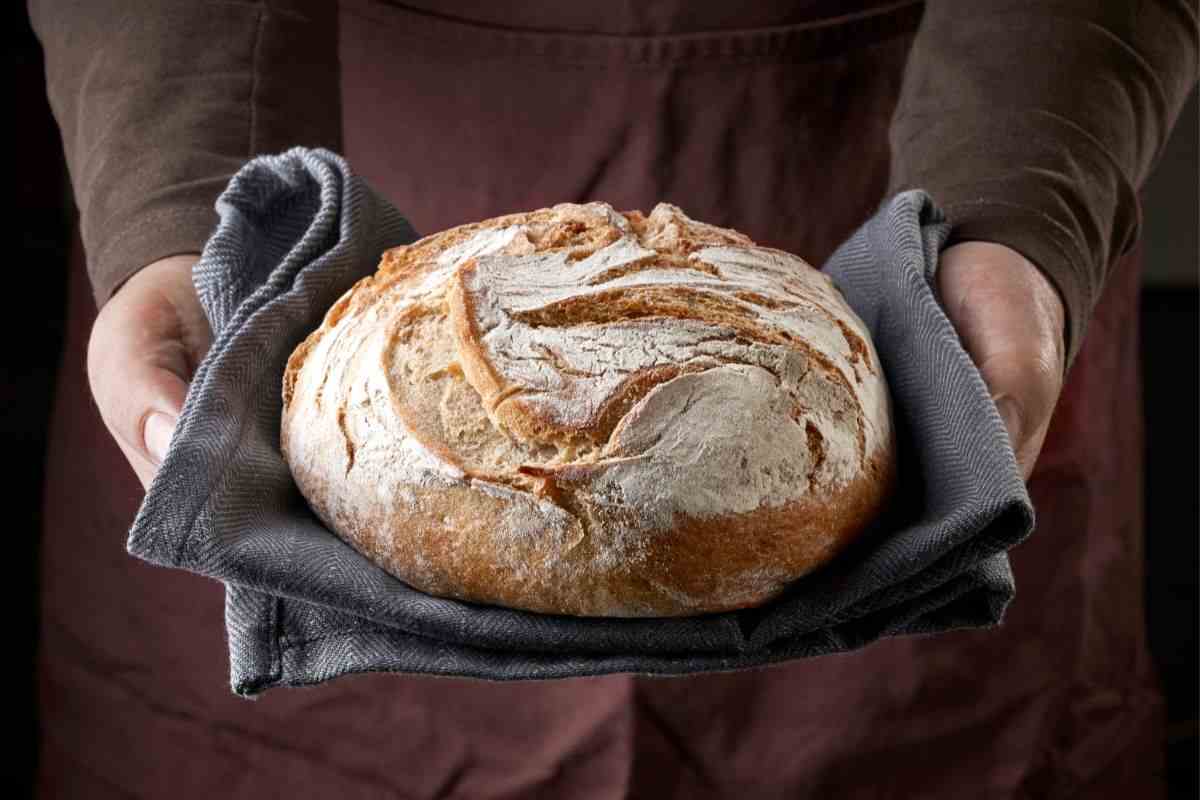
(144, 348)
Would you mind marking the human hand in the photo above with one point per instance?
(1010, 320)
(144, 348)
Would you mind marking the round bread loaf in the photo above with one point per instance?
(586, 412)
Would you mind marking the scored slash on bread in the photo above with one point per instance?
(581, 411)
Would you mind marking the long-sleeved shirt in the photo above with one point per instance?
(1032, 122)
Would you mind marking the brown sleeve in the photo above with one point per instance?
(1033, 123)
(160, 102)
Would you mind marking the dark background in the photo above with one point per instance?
(36, 301)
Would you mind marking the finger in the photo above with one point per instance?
(1025, 387)
(144, 430)
(1010, 320)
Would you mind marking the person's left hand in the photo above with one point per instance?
(1010, 320)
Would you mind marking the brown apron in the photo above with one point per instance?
(775, 123)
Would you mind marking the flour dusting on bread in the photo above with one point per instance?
(568, 410)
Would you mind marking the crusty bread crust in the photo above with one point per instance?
(585, 412)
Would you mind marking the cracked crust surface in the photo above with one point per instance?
(581, 411)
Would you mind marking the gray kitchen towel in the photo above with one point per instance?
(298, 229)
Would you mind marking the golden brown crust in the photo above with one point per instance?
(691, 571)
(582, 412)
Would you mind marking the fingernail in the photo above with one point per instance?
(159, 428)
(1012, 419)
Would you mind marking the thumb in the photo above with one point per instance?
(1010, 320)
(142, 353)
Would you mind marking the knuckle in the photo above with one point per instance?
(1031, 381)
(1044, 377)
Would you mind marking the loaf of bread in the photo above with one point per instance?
(589, 412)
